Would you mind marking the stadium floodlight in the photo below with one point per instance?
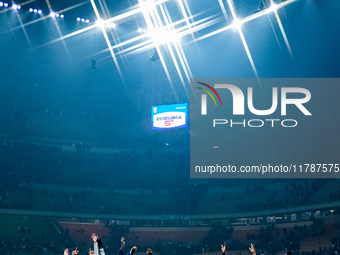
(40, 11)
(31, 9)
(78, 19)
(57, 15)
(6, 4)
(52, 14)
(35, 10)
(82, 20)
(16, 6)
(1, 4)
(87, 21)
(62, 16)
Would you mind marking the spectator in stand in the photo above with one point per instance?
(97, 246)
(75, 252)
(223, 248)
(122, 245)
(251, 249)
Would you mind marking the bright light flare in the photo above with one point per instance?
(237, 23)
(273, 7)
(146, 6)
(111, 24)
(99, 23)
(104, 24)
(163, 36)
(114, 58)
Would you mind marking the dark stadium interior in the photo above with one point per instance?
(78, 154)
